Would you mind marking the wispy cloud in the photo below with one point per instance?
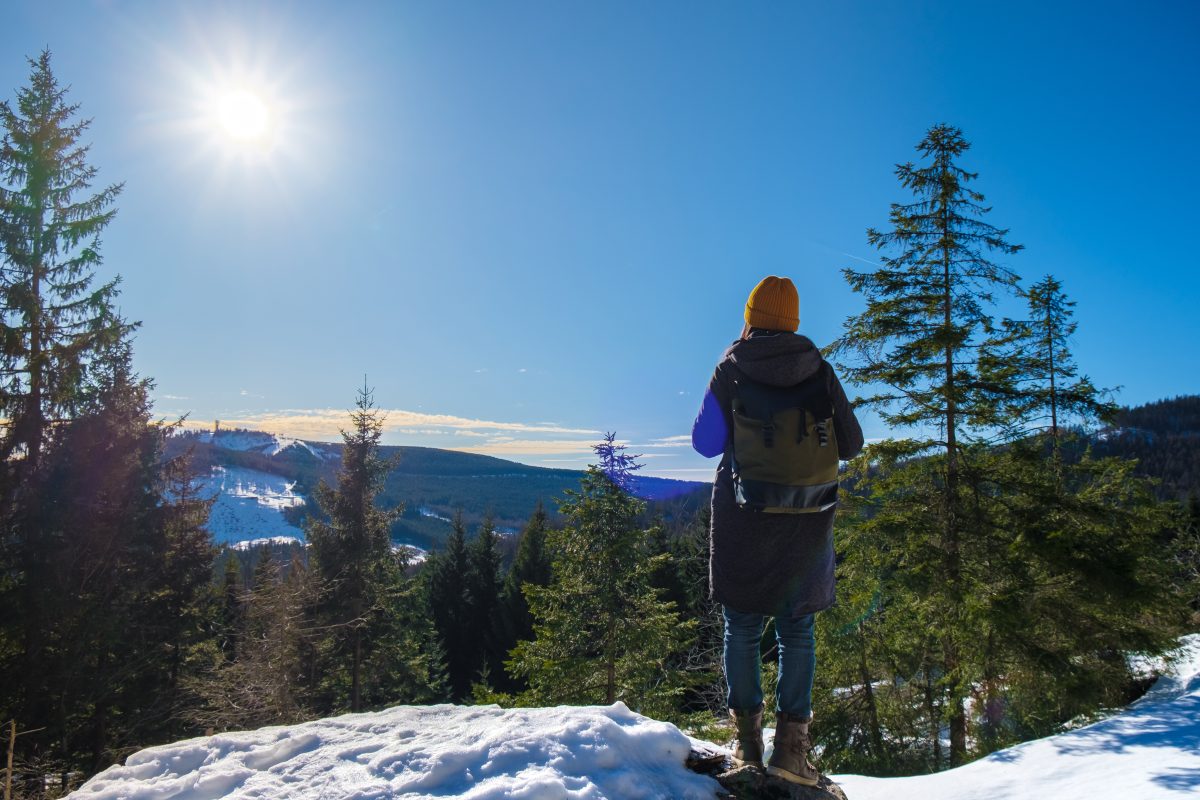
(531, 447)
(326, 424)
(682, 440)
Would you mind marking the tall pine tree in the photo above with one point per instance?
(54, 321)
(447, 575)
(1049, 388)
(352, 547)
(928, 320)
(531, 566)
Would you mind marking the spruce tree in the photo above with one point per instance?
(1048, 386)
(447, 577)
(120, 581)
(54, 321)
(531, 566)
(483, 592)
(352, 547)
(920, 339)
(602, 633)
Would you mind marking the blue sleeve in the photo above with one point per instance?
(710, 429)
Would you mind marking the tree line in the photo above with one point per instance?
(994, 573)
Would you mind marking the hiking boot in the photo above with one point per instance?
(749, 747)
(792, 744)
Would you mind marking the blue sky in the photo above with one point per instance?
(528, 223)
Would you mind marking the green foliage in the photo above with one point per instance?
(977, 564)
(54, 323)
(103, 557)
(446, 577)
(367, 657)
(1049, 386)
(601, 632)
(531, 566)
(1063, 570)
(928, 305)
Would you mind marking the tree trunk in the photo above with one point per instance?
(935, 722)
(864, 675)
(610, 664)
(355, 700)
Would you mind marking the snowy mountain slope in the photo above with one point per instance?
(432, 484)
(477, 752)
(249, 505)
(268, 444)
(1150, 750)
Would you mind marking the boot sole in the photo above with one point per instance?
(792, 777)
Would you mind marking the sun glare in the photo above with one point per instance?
(243, 116)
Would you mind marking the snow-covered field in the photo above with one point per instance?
(477, 752)
(1150, 751)
(249, 505)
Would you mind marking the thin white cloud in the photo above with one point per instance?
(531, 447)
(682, 440)
(326, 424)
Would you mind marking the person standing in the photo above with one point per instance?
(777, 415)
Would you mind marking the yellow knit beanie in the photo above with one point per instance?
(774, 305)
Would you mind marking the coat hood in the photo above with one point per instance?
(775, 358)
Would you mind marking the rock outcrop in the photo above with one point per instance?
(753, 783)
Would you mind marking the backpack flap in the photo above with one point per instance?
(784, 448)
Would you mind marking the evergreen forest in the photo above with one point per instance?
(998, 563)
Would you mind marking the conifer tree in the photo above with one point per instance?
(351, 549)
(119, 580)
(483, 592)
(267, 683)
(928, 320)
(447, 577)
(601, 632)
(54, 321)
(531, 566)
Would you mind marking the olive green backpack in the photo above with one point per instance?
(785, 455)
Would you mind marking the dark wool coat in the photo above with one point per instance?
(778, 564)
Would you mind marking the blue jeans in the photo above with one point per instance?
(797, 662)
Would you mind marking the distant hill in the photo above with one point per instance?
(1164, 437)
(263, 482)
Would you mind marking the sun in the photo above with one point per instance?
(243, 115)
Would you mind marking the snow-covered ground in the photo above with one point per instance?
(258, 441)
(249, 505)
(251, 544)
(1149, 751)
(476, 752)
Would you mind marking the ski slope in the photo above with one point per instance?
(249, 505)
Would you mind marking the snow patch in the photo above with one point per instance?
(251, 544)
(268, 444)
(249, 505)
(477, 752)
(1150, 750)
